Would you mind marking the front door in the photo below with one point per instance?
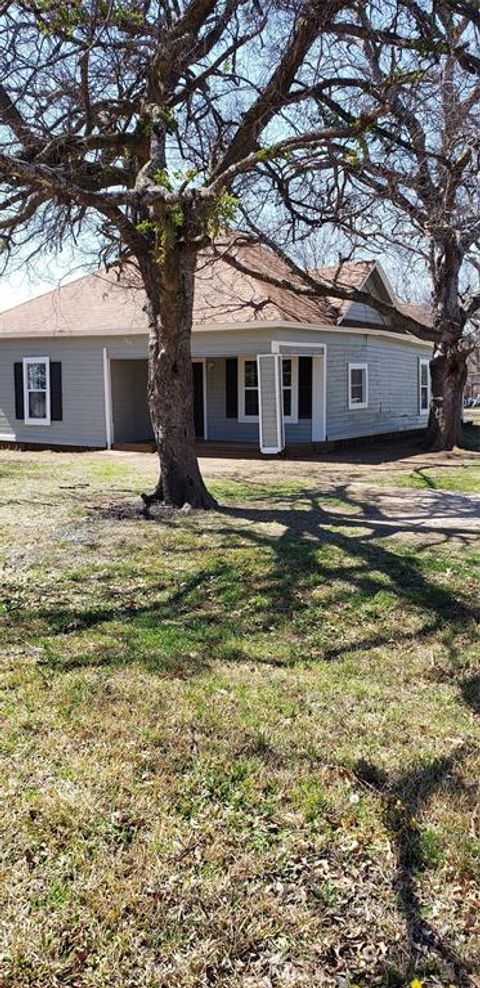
(198, 399)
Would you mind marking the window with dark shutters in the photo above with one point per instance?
(56, 402)
(231, 388)
(18, 379)
(304, 387)
(52, 389)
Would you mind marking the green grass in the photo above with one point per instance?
(462, 479)
(237, 749)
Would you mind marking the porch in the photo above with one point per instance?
(236, 451)
(246, 404)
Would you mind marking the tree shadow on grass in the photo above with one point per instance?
(340, 545)
(208, 615)
(470, 689)
(363, 540)
(404, 798)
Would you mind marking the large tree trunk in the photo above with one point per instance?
(448, 370)
(448, 367)
(170, 293)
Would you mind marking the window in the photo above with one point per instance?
(290, 388)
(36, 390)
(357, 386)
(249, 390)
(423, 386)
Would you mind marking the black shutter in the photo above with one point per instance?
(304, 387)
(56, 409)
(231, 388)
(19, 405)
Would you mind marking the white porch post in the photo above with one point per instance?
(270, 406)
(318, 353)
(107, 396)
(319, 396)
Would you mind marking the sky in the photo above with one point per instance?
(23, 283)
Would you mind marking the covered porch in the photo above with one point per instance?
(243, 404)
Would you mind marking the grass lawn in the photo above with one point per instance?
(463, 479)
(237, 749)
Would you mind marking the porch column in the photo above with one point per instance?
(270, 404)
(107, 398)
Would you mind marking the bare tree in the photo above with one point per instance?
(134, 121)
(145, 126)
(420, 167)
(407, 183)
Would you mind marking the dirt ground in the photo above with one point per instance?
(366, 477)
(359, 463)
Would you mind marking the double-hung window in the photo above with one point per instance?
(357, 386)
(289, 390)
(249, 389)
(36, 390)
(423, 386)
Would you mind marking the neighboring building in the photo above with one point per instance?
(271, 367)
(472, 388)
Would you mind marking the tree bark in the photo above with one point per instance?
(448, 370)
(170, 293)
(448, 367)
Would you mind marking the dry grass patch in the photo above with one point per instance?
(238, 749)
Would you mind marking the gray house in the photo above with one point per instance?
(270, 367)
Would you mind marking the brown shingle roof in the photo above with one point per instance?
(418, 312)
(348, 274)
(95, 303)
(354, 274)
(101, 304)
(224, 294)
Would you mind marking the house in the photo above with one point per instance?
(472, 387)
(270, 367)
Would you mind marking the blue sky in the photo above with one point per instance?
(22, 282)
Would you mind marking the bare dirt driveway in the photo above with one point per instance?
(392, 486)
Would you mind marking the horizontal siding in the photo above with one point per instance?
(127, 348)
(298, 432)
(131, 419)
(229, 430)
(219, 427)
(358, 314)
(83, 421)
(393, 393)
(392, 387)
(393, 383)
(231, 344)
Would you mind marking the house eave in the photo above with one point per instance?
(378, 269)
(268, 325)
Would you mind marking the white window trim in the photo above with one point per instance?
(318, 351)
(293, 418)
(242, 417)
(353, 405)
(27, 361)
(422, 361)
